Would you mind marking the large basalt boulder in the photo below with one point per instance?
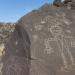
(57, 3)
(65, 3)
(43, 43)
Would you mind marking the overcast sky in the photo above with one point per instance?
(12, 10)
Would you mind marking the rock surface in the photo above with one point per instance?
(43, 43)
(5, 30)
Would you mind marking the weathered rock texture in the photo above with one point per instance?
(43, 43)
(5, 31)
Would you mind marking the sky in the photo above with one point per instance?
(12, 10)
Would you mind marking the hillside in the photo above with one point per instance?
(5, 30)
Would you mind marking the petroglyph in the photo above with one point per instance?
(49, 19)
(48, 48)
(55, 27)
(42, 22)
(38, 27)
(73, 43)
(67, 64)
(63, 46)
(56, 30)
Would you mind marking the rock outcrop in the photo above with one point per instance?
(43, 43)
(65, 3)
(57, 3)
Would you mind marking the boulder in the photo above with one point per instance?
(43, 43)
(57, 3)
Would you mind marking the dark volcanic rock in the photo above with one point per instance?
(57, 2)
(16, 58)
(43, 43)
